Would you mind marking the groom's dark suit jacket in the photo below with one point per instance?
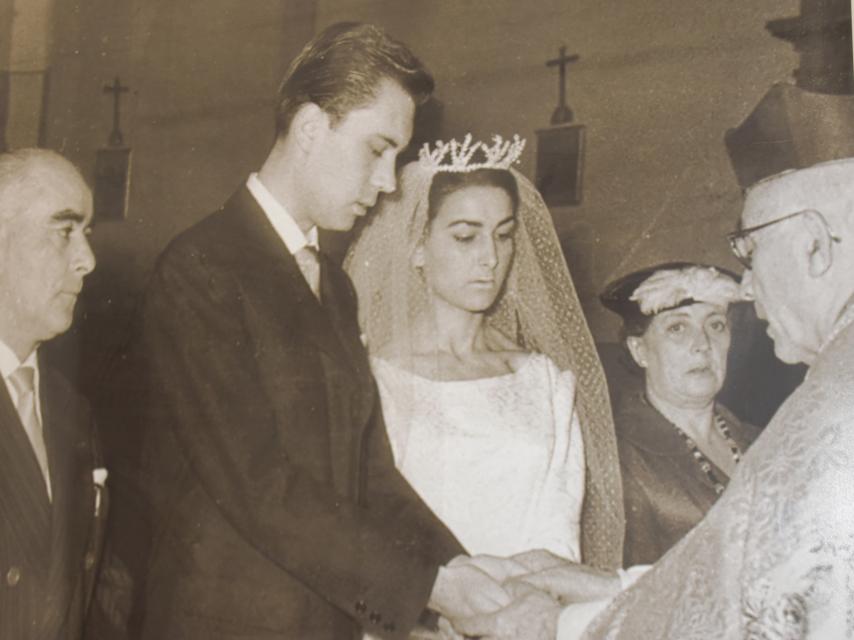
(48, 549)
(276, 508)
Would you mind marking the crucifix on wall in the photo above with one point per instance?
(112, 165)
(562, 112)
(560, 147)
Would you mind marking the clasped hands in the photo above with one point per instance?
(516, 597)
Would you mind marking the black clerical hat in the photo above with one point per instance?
(791, 129)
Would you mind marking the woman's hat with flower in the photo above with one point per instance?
(668, 286)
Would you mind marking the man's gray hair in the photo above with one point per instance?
(24, 172)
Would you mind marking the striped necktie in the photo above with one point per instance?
(22, 380)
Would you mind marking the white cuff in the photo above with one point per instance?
(575, 618)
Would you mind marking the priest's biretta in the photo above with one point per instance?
(791, 129)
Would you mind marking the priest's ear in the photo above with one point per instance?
(818, 241)
(637, 347)
(308, 124)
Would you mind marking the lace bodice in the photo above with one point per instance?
(500, 460)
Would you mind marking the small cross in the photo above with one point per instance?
(117, 89)
(562, 112)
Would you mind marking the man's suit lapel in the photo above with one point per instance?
(328, 327)
(341, 312)
(291, 291)
(70, 459)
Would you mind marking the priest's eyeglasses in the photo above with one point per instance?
(743, 246)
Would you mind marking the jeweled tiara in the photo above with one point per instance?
(460, 157)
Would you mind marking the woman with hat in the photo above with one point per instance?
(677, 445)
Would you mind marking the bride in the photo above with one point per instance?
(492, 393)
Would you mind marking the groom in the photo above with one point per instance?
(275, 505)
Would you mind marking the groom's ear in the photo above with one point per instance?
(309, 122)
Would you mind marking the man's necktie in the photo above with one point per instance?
(308, 261)
(22, 380)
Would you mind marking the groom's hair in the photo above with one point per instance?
(341, 68)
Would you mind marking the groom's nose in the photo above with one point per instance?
(384, 179)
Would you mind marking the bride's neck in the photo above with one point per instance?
(453, 330)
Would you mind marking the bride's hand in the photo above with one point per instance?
(536, 560)
(499, 569)
(570, 583)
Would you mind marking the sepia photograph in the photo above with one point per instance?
(426, 319)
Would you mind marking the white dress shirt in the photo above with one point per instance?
(284, 224)
(9, 363)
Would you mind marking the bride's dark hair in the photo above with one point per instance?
(446, 182)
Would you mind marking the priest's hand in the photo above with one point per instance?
(462, 590)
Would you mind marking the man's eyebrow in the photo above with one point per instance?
(394, 144)
(68, 215)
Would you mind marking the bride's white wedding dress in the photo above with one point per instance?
(499, 460)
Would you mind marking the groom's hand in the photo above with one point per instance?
(462, 590)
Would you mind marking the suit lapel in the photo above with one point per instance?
(274, 271)
(341, 313)
(268, 270)
(70, 459)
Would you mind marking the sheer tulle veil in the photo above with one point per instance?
(539, 309)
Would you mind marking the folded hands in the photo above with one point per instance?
(517, 597)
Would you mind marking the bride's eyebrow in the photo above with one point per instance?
(507, 221)
(478, 224)
(470, 223)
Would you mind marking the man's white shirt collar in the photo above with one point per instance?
(284, 224)
(9, 363)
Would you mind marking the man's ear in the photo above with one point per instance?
(818, 241)
(309, 122)
(637, 347)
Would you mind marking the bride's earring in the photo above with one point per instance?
(418, 261)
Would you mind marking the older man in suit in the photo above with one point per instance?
(274, 507)
(51, 486)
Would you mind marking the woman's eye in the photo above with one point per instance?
(505, 235)
(676, 328)
(719, 326)
(464, 239)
